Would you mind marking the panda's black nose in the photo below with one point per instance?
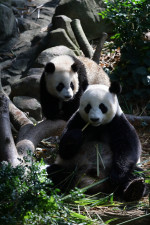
(94, 119)
(67, 96)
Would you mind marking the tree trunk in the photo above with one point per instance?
(8, 151)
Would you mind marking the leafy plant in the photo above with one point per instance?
(27, 196)
(131, 18)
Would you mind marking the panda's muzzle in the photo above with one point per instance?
(94, 119)
(67, 97)
(67, 94)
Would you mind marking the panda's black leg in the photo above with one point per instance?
(135, 190)
(132, 190)
(61, 177)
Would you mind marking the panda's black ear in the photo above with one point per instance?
(115, 87)
(50, 67)
(74, 67)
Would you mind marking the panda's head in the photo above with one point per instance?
(99, 104)
(61, 77)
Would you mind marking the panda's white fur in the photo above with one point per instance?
(94, 96)
(99, 130)
(63, 73)
(95, 73)
(63, 82)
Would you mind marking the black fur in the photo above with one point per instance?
(115, 88)
(50, 67)
(50, 104)
(120, 135)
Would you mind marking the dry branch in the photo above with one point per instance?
(81, 38)
(17, 117)
(97, 53)
(8, 151)
(137, 120)
(30, 139)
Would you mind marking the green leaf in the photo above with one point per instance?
(77, 215)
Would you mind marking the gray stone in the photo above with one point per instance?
(8, 26)
(87, 12)
(19, 3)
(29, 105)
(35, 71)
(23, 24)
(60, 37)
(48, 54)
(64, 22)
(8, 2)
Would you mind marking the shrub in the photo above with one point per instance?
(27, 196)
(131, 18)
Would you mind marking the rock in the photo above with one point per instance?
(23, 24)
(7, 23)
(64, 22)
(87, 12)
(8, 2)
(60, 37)
(8, 28)
(49, 53)
(35, 71)
(29, 105)
(19, 3)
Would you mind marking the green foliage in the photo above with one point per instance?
(133, 74)
(131, 18)
(28, 197)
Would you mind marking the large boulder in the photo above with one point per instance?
(87, 12)
(29, 105)
(8, 2)
(8, 27)
(50, 53)
(7, 22)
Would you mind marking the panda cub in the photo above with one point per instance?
(99, 135)
(63, 81)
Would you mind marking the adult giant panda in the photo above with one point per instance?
(63, 81)
(99, 143)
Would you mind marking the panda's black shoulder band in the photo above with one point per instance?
(115, 87)
(50, 67)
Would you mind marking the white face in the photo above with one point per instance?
(63, 82)
(98, 106)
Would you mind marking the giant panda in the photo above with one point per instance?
(97, 144)
(63, 81)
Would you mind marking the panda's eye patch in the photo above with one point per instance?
(72, 85)
(103, 108)
(59, 87)
(87, 108)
